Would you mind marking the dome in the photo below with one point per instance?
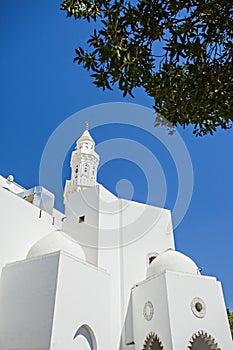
(56, 241)
(173, 261)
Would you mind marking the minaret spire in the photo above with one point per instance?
(84, 164)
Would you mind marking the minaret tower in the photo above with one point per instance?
(84, 164)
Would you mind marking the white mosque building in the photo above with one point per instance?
(103, 275)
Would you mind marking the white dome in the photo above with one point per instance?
(56, 241)
(173, 261)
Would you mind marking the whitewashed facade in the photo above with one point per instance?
(102, 275)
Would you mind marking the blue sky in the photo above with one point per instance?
(41, 87)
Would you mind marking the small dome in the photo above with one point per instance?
(56, 241)
(173, 261)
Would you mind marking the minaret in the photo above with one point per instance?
(84, 164)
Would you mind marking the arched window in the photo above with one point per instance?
(89, 337)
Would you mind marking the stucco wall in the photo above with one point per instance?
(27, 298)
(22, 225)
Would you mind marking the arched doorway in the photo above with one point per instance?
(202, 341)
(87, 336)
(81, 343)
(152, 342)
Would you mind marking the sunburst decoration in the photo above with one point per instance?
(203, 338)
(152, 342)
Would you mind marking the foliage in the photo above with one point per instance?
(230, 318)
(189, 78)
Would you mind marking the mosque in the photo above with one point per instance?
(103, 275)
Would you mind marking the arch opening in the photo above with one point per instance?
(82, 343)
(86, 332)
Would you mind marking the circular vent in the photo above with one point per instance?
(198, 307)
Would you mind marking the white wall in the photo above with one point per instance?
(171, 294)
(110, 258)
(140, 229)
(44, 301)
(84, 203)
(124, 232)
(181, 289)
(83, 297)
(22, 225)
(144, 230)
(27, 298)
(155, 291)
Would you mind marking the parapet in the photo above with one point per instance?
(40, 197)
